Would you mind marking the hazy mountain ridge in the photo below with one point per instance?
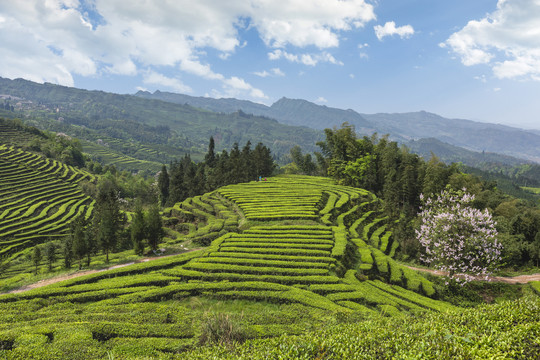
(402, 127)
(140, 121)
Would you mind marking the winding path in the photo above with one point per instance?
(77, 274)
(520, 279)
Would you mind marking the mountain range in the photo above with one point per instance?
(402, 127)
(162, 126)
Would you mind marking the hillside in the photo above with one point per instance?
(455, 154)
(151, 130)
(38, 199)
(277, 248)
(404, 127)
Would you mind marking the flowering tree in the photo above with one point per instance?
(458, 238)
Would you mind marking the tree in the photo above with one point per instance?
(107, 218)
(210, 157)
(36, 258)
(163, 185)
(79, 235)
(67, 249)
(154, 227)
(535, 248)
(138, 230)
(50, 254)
(458, 238)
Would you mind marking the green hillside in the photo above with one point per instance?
(38, 199)
(290, 252)
(146, 129)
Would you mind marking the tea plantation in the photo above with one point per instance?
(38, 199)
(299, 265)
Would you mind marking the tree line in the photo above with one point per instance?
(398, 177)
(107, 231)
(186, 179)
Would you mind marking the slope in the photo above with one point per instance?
(38, 199)
(286, 251)
(163, 126)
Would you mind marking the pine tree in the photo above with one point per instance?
(67, 250)
(163, 185)
(210, 157)
(138, 230)
(50, 254)
(79, 237)
(108, 217)
(177, 190)
(154, 227)
(36, 258)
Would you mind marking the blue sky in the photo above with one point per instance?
(472, 59)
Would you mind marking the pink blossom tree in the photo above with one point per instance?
(458, 238)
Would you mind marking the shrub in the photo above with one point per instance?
(221, 328)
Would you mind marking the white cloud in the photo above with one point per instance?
(301, 23)
(481, 78)
(321, 100)
(507, 40)
(53, 41)
(306, 59)
(390, 29)
(152, 77)
(351, 76)
(273, 72)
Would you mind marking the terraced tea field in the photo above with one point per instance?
(299, 243)
(38, 199)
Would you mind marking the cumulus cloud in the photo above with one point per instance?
(321, 100)
(507, 40)
(390, 29)
(154, 78)
(55, 40)
(306, 59)
(272, 72)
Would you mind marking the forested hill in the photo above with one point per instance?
(402, 127)
(124, 122)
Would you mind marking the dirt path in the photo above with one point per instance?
(56, 279)
(520, 279)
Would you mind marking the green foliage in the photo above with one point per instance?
(36, 257)
(138, 230)
(222, 329)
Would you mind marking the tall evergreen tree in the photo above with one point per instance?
(177, 188)
(50, 254)
(263, 162)
(67, 250)
(154, 227)
(107, 216)
(163, 185)
(210, 157)
(79, 236)
(138, 230)
(36, 258)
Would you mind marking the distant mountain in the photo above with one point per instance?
(471, 135)
(402, 127)
(288, 111)
(450, 153)
(148, 129)
(226, 106)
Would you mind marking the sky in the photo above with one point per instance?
(469, 59)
